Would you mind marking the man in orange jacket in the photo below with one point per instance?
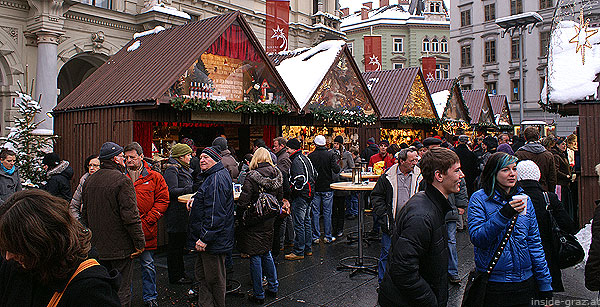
(152, 196)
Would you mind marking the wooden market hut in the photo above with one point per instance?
(450, 105)
(480, 109)
(331, 93)
(502, 116)
(198, 80)
(407, 110)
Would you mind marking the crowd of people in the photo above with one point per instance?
(427, 192)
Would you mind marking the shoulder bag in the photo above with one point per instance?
(474, 295)
(565, 245)
(82, 267)
(266, 206)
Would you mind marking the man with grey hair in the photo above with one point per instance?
(392, 190)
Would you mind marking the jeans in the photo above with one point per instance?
(286, 230)
(260, 264)
(452, 254)
(386, 243)
(301, 214)
(325, 198)
(148, 276)
(352, 204)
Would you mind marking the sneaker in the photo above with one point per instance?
(454, 279)
(292, 256)
(339, 234)
(327, 241)
(316, 241)
(308, 254)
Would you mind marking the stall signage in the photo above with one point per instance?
(278, 14)
(217, 117)
(372, 52)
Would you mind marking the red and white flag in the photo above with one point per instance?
(278, 16)
(428, 68)
(372, 52)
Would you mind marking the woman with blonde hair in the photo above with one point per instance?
(256, 234)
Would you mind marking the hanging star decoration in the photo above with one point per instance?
(373, 60)
(280, 34)
(582, 36)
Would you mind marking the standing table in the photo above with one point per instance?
(357, 263)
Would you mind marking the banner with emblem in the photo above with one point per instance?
(372, 52)
(428, 64)
(277, 29)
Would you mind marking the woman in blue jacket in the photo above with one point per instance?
(521, 273)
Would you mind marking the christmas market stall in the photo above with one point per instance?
(199, 80)
(450, 105)
(501, 110)
(331, 93)
(480, 111)
(407, 110)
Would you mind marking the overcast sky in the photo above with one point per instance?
(355, 5)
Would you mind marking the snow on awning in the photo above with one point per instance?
(569, 79)
(440, 99)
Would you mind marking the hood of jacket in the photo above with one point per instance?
(267, 176)
(535, 148)
(62, 168)
(226, 152)
(215, 168)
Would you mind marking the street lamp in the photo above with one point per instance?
(516, 24)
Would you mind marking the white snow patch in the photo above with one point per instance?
(303, 73)
(134, 46)
(293, 52)
(584, 236)
(570, 80)
(167, 10)
(440, 99)
(44, 132)
(330, 16)
(148, 32)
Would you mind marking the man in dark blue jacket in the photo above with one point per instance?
(211, 227)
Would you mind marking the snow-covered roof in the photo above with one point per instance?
(304, 72)
(162, 8)
(327, 15)
(395, 14)
(440, 99)
(527, 17)
(570, 80)
(156, 29)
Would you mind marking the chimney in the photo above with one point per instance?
(364, 13)
(345, 12)
(384, 3)
(369, 5)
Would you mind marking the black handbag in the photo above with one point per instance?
(566, 246)
(474, 295)
(266, 206)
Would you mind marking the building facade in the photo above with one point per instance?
(59, 43)
(408, 30)
(484, 58)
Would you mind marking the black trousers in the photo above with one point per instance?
(276, 246)
(175, 256)
(338, 213)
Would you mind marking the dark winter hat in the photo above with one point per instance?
(490, 142)
(213, 152)
(463, 138)
(431, 141)
(370, 141)
(384, 142)
(417, 145)
(109, 150)
(188, 142)
(339, 139)
(220, 143)
(51, 159)
(180, 150)
(293, 144)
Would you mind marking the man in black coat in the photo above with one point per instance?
(370, 150)
(417, 271)
(59, 174)
(468, 162)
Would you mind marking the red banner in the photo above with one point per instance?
(428, 68)
(372, 55)
(277, 30)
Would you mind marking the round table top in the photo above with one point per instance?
(349, 186)
(363, 175)
(184, 198)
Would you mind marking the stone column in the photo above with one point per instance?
(46, 76)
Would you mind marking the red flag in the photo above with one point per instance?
(278, 16)
(372, 52)
(428, 68)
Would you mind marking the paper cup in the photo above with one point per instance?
(524, 198)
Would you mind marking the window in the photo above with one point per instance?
(465, 56)
(398, 65)
(489, 12)
(544, 4)
(444, 45)
(434, 7)
(465, 87)
(544, 40)
(465, 18)
(315, 6)
(491, 87)
(435, 45)
(514, 89)
(99, 3)
(398, 44)
(514, 48)
(442, 71)
(351, 47)
(516, 7)
(490, 51)
(425, 45)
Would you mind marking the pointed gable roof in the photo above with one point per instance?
(143, 74)
(395, 89)
(479, 106)
(454, 106)
(501, 109)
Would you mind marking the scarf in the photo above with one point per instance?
(186, 166)
(8, 171)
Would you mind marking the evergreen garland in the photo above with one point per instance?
(354, 116)
(419, 120)
(230, 106)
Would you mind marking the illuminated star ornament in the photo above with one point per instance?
(582, 36)
(279, 34)
(373, 60)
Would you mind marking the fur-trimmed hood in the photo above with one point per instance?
(267, 176)
(64, 168)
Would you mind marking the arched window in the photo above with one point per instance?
(435, 45)
(426, 45)
(444, 45)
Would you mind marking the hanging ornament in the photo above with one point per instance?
(582, 36)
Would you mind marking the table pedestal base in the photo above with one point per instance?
(367, 265)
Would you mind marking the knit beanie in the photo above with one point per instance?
(384, 142)
(528, 170)
(188, 142)
(213, 152)
(220, 143)
(339, 139)
(51, 159)
(179, 150)
(370, 141)
(320, 140)
(109, 150)
(293, 144)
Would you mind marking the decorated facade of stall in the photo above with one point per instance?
(330, 91)
(450, 105)
(501, 110)
(480, 111)
(199, 80)
(407, 110)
